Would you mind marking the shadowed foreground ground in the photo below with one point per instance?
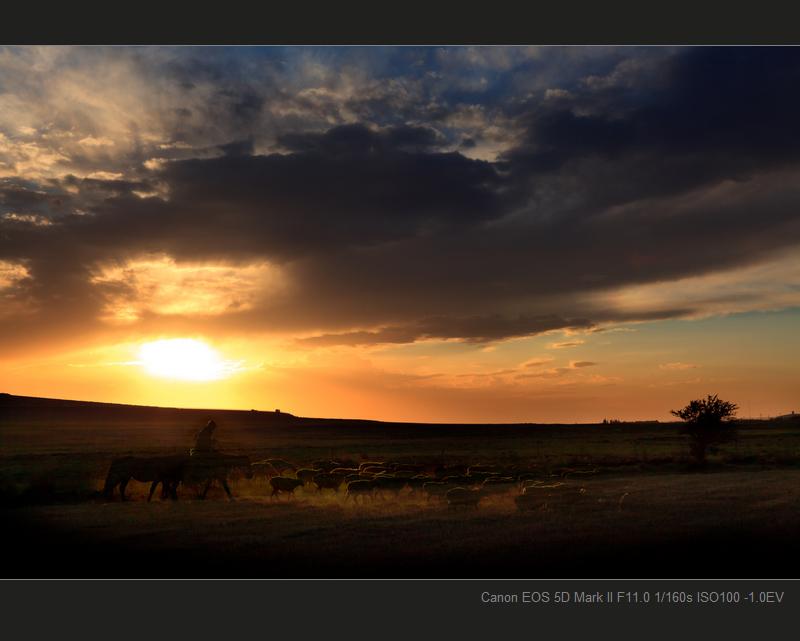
(725, 525)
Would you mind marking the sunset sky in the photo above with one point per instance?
(428, 234)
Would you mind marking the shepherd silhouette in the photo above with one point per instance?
(203, 442)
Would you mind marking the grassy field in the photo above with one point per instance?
(646, 512)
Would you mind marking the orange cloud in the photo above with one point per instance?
(562, 345)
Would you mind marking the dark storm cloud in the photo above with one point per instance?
(238, 148)
(19, 199)
(359, 139)
(287, 206)
(95, 185)
(706, 115)
(638, 167)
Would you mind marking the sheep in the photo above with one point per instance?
(324, 465)
(405, 468)
(476, 478)
(263, 469)
(459, 496)
(537, 487)
(406, 474)
(517, 470)
(566, 473)
(283, 484)
(484, 468)
(375, 469)
(357, 477)
(526, 483)
(437, 489)
(328, 481)
(417, 483)
(280, 465)
(343, 471)
(449, 470)
(522, 478)
(362, 488)
(499, 486)
(390, 483)
(537, 496)
(463, 480)
(367, 464)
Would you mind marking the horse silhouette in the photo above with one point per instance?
(167, 470)
(209, 467)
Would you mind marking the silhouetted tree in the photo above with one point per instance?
(708, 422)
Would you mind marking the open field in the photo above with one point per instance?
(644, 513)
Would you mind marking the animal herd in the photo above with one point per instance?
(459, 486)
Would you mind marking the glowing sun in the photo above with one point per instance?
(181, 358)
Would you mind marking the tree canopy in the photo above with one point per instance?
(707, 422)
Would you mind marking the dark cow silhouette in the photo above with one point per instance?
(167, 470)
(282, 484)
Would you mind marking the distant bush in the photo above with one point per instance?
(708, 422)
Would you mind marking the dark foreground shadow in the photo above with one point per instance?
(52, 553)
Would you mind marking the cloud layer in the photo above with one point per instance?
(364, 196)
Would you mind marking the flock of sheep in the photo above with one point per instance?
(460, 486)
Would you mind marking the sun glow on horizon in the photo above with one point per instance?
(183, 358)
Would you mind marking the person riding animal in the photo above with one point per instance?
(203, 443)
